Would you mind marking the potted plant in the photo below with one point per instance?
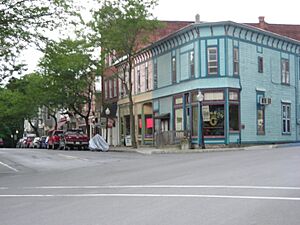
(184, 143)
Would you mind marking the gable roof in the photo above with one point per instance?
(287, 30)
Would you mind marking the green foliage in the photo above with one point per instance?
(70, 68)
(24, 22)
(123, 26)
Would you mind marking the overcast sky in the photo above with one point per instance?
(286, 11)
(280, 12)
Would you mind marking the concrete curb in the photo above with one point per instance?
(150, 151)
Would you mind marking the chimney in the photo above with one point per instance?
(262, 22)
(197, 18)
(261, 19)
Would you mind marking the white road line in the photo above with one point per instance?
(68, 156)
(9, 167)
(152, 195)
(164, 186)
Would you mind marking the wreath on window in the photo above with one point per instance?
(213, 119)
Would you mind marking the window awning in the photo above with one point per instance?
(163, 116)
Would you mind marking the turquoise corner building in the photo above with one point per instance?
(248, 77)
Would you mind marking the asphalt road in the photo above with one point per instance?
(114, 188)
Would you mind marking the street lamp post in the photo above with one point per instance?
(200, 98)
(107, 112)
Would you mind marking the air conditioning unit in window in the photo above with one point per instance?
(265, 101)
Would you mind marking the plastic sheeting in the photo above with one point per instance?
(97, 143)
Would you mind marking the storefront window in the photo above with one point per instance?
(140, 125)
(149, 126)
(233, 117)
(178, 119)
(214, 120)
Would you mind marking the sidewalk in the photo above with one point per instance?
(175, 150)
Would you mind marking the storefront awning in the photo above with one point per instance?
(163, 116)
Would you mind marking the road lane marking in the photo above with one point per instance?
(9, 167)
(68, 156)
(165, 186)
(151, 195)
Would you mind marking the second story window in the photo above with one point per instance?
(110, 89)
(260, 61)
(285, 71)
(155, 73)
(138, 79)
(115, 88)
(192, 63)
(146, 77)
(106, 89)
(236, 61)
(212, 61)
(173, 69)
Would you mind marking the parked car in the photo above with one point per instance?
(28, 142)
(22, 143)
(1, 143)
(35, 143)
(54, 139)
(43, 142)
(74, 138)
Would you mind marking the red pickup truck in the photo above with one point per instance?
(74, 138)
(54, 139)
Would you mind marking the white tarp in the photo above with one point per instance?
(98, 143)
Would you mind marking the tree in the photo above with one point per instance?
(121, 28)
(26, 98)
(24, 22)
(70, 68)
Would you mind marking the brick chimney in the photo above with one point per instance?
(262, 23)
(197, 18)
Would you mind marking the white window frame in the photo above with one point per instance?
(236, 62)
(210, 61)
(192, 63)
(110, 88)
(146, 77)
(106, 89)
(138, 80)
(115, 87)
(286, 118)
(285, 71)
(174, 69)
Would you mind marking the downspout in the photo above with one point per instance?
(240, 111)
(297, 68)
